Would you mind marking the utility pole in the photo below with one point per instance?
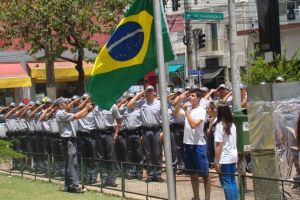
(235, 71)
(235, 77)
(187, 42)
(196, 45)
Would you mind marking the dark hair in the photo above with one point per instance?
(197, 91)
(224, 115)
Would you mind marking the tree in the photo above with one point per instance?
(260, 70)
(6, 151)
(56, 26)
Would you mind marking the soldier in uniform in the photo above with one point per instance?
(151, 120)
(38, 138)
(120, 143)
(68, 135)
(23, 113)
(108, 123)
(30, 145)
(55, 142)
(46, 119)
(45, 116)
(22, 127)
(87, 138)
(11, 122)
(131, 124)
(176, 130)
(21, 133)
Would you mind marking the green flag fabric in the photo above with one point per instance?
(128, 55)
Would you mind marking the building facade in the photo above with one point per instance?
(215, 56)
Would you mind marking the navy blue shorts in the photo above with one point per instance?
(195, 159)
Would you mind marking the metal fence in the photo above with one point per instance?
(52, 167)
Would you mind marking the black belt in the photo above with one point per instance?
(136, 131)
(54, 135)
(154, 128)
(11, 134)
(65, 139)
(22, 133)
(85, 134)
(106, 131)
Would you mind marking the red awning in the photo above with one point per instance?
(13, 75)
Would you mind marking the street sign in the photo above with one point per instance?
(195, 15)
(195, 72)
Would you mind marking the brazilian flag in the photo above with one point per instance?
(128, 55)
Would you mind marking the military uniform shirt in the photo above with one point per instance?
(106, 118)
(64, 119)
(12, 123)
(30, 122)
(150, 113)
(45, 124)
(204, 103)
(131, 119)
(53, 125)
(87, 123)
(37, 122)
(75, 121)
(170, 113)
(21, 124)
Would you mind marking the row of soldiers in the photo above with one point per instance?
(129, 132)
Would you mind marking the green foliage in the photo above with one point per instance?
(58, 24)
(260, 70)
(6, 151)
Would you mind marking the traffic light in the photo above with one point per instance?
(175, 5)
(291, 15)
(201, 39)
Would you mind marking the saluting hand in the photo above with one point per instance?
(185, 107)
(213, 90)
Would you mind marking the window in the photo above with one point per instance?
(211, 62)
(214, 37)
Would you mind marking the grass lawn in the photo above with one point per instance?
(16, 188)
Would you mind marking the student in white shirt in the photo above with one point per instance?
(195, 149)
(226, 155)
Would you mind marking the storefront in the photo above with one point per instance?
(65, 74)
(14, 83)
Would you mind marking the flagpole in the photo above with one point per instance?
(163, 99)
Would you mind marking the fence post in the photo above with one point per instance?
(174, 171)
(123, 179)
(283, 193)
(81, 170)
(147, 189)
(241, 186)
(49, 167)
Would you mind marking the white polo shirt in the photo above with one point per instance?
(195, 136)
